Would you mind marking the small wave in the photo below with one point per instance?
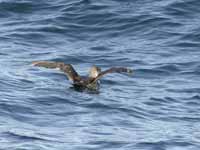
(185, 90)
(166, 145)
(18, 135)
(16, 7)
(152, 73)
(169, 68)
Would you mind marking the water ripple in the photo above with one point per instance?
(155, 108)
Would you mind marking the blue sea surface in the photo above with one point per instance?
(157, 108)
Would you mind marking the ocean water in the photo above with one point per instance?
(157, 108)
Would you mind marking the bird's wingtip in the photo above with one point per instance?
(34, 63)
(129, 71)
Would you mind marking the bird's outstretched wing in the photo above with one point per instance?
(113, 70)
(66, 68)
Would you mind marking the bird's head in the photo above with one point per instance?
(94, 71)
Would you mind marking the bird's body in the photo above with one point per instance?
(90, 82)
(86, 82)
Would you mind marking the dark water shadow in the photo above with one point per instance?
(84, 90)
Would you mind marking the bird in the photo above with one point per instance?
(90, 82)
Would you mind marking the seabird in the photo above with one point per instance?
(82, 82)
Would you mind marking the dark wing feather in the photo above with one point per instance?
(66, 68)
(113, 70)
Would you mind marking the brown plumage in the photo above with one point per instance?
(90, 82)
